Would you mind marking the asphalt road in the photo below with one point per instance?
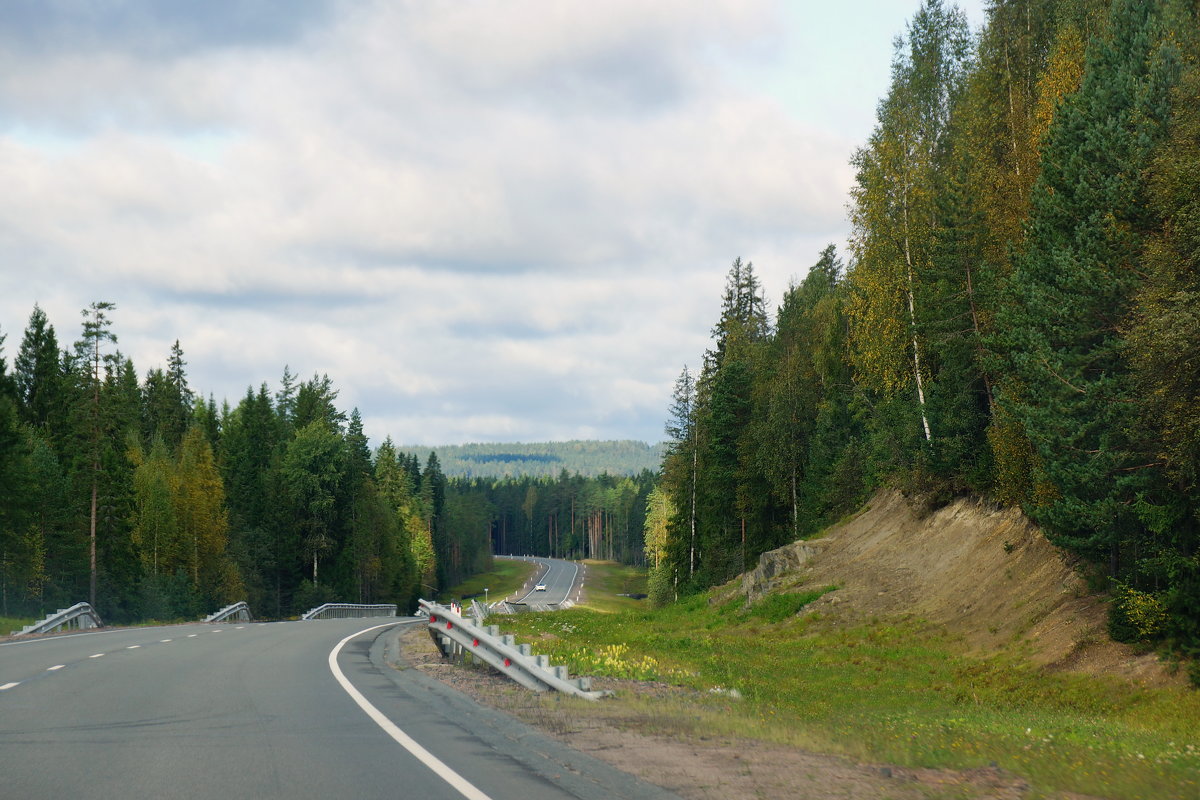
(559, 577)
(258, 711)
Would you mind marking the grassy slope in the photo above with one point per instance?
(505, 578)
(607, 581)
(901, 691)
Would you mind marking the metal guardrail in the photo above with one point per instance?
(479, 611)
(458, 637)
(344, 610)
(80, 616)
(238, 611)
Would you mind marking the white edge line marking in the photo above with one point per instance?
(9, 686)
(51, 638)
(97, 655)
(55, 667)
(464, 787)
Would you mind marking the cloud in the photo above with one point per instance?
(482, 220)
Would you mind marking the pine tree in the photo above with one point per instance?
(1073, 284)
(96, 332)
(14, 487)
(681, 465)
(37, 372)
(1164, 354)
(311, 471)
(723, 412)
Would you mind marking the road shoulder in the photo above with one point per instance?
(576, 772)
(634, 735)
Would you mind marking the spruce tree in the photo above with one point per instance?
(1073, 285)
(38, 373)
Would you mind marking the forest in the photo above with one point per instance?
(1017, 317)
(149, 501)
(571, 516)
(544, 459)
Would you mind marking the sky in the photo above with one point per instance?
(484, 221)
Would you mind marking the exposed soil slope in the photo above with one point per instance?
(987, 574)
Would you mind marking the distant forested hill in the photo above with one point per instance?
(544, 459)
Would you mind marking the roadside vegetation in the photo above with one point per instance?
(502, 580)
(1015, 319)
(9, 624)
(900, 692)
(610, 586)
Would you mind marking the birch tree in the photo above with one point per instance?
(894, 211)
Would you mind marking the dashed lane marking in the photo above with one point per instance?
(9, 686)
(55, 667)
(97, 655)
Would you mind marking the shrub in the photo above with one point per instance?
(1136, 615)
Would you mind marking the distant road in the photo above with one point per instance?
(558, 576)
(257, 711)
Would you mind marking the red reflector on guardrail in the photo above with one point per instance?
(433, 618)
(449, 625)
(508, 662)
(474, 643)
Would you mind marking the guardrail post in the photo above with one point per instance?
(78, 617)
(457, 637)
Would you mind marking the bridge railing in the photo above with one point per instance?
(80, 616)
(237, 611)
(345, 610)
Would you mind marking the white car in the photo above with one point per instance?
(541, 587)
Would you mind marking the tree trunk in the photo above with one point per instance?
(92, 538)
(692, 555)
(912, 321)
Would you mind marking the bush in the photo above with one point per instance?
(309, 597)
(1136, 616)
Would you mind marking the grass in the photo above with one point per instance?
(505, 578)
(8, 624)
(607, 581)
(901, 692)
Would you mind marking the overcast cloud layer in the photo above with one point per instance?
(485, 221)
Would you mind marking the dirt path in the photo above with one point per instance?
(638, 732)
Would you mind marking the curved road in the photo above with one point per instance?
(258, 710)
(559, 577)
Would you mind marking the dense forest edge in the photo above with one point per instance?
(1017, 319)
(152, 502)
